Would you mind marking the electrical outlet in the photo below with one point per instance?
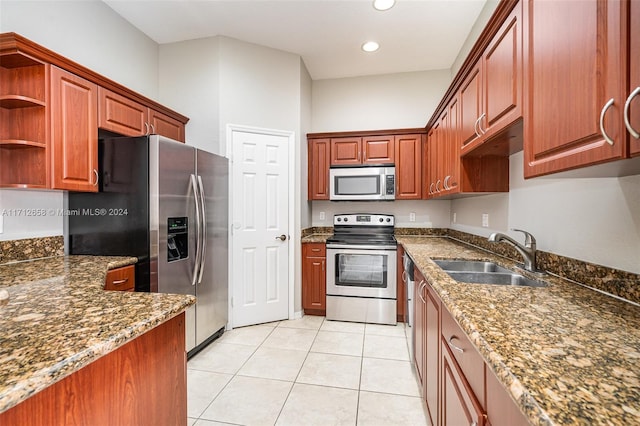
(455, 217)
(485, 220)
(321, 215)
(412, 217)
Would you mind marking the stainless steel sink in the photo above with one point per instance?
(470, 266)
(471, 271)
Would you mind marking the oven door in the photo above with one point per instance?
(359, 272)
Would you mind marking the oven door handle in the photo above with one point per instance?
(362, 247)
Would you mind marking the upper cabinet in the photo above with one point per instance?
(402, 148)
(127, 117)
(318, 173)
(74, 155)
(50, 112)
(576, 65)
(632, 103)
(24, 114)
(491, 94)
(369, 150)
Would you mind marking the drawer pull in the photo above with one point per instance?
(118, 282)
(315, 249)
(457, 348)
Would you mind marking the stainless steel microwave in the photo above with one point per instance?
(362, 183)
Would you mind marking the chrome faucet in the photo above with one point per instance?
(528, 250)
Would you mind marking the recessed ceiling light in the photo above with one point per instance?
(383, 4)
(370, 46)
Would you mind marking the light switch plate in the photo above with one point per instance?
(485, 220)
(412, 217)
(321, 215)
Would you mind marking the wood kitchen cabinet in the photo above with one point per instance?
(24, 114)
(633, 99)
(459, 405)
(74, 132)
(367, 150)
(408, 162)
(575, 83)
(314, 287)
(491, 95)
(121, 279)
(318, 169)
(127, 117)
(143, 382)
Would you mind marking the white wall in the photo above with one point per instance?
(190, 82)
(595, 220)
(390, 101)
(92, 34)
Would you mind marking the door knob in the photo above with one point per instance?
(281, 237)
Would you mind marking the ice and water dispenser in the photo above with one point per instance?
(177, 238)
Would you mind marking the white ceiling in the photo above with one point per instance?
(414, 35)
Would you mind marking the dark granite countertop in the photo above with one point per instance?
(58, 319)
(567, 354)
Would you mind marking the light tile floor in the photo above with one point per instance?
(303, 372)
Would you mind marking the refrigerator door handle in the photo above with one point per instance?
(196, 267)
(203, 209)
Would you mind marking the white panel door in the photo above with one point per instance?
(260, 260)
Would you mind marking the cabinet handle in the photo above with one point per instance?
(404, 276)
(627, 104)
(431, 188)
(423, 284)
(480, 123)
(315, 249)
(146, 128)
(118, 282)
(475, 127)
(97, 177)
(153, 128)
(602, 113)
(446, 185)
(437, 183)
(457, 348)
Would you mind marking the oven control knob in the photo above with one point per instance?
(381, 220)
(388, 219)
(346, 219)
(339, 219)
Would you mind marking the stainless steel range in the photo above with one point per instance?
(361, 269)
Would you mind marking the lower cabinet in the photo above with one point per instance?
(121, 279)
(458, 387)
(143, 382)
(314, 288)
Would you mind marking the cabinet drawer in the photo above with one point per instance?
(314, 249)
(466, 356)
(121, 279)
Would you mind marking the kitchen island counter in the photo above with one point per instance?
(566, 353)
(58, 319)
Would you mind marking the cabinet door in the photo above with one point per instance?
(502, 95)
(432, 354)
(501, 408)
(452, 161)
(575, 68)
(435, 163)
(418, 329)
(427, 188)
(74, 153)
(318, 164)
(378, 150)
(459, 405)
(164, 125)
(121, 115)
(470, 105)
(346, 151)
(314, 293)
(408, 161)
(634, 75)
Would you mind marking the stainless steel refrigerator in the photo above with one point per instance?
(167, 204)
